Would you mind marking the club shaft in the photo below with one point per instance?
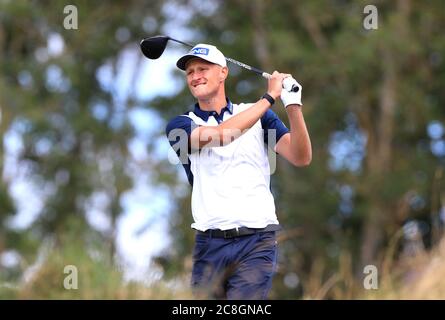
(185, 43)
(258, 71)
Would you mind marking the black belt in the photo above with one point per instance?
(238, 232)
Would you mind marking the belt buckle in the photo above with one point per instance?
(228, 235)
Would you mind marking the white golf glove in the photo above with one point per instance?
(289, 97)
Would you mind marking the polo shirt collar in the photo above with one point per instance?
(204, 115)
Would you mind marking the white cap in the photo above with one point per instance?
(204, 51)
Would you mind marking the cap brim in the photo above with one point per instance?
(183, 60)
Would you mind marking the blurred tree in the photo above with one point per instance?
(74, 130)
(369, 97)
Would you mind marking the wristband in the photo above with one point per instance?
(269, 98)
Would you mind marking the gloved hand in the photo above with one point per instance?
(289, 97)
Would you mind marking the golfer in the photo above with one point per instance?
(223, 147)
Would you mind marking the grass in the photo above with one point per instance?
(97, 278)
(418, 276)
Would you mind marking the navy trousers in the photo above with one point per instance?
(239, 268)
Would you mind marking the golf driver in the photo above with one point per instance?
(153, 48)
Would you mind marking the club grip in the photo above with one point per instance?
(294, 87)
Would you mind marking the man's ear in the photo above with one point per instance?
(223, 74)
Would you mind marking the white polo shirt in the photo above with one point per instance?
(231, 184)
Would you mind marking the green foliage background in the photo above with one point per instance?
(370, 94)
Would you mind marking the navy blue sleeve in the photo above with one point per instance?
(273, 128)
(178, 133)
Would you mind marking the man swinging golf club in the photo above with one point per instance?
(223, 148)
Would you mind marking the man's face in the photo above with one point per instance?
(204, 78)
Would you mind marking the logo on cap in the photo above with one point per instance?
(203, 51)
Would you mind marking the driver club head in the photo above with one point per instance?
(153, 47)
